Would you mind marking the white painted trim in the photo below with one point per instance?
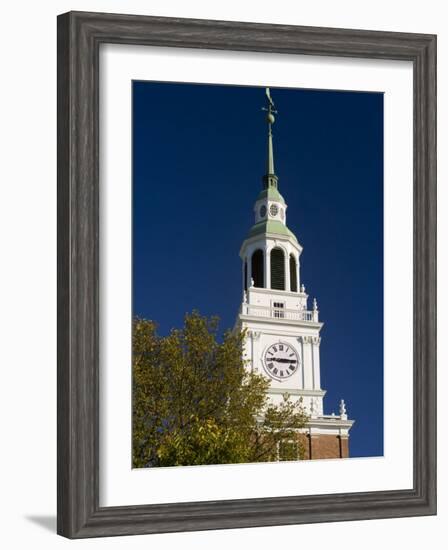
(306, 324)
(298, 392)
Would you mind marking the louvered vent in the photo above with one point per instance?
(277, 269)
(257, 268)
(293, 273)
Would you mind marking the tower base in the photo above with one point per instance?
(324, 446)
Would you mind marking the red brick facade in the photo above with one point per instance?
(325, 446)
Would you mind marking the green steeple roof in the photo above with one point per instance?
(271, 227)
(271, 194)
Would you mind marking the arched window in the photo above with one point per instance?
(277, 269)
(292, 273)
(258, 268)
(245, 274)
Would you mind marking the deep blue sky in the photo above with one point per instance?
(198, 158)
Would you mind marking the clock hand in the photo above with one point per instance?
(279, 360)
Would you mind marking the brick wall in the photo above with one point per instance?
(325, 446)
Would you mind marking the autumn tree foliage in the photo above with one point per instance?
(194, 402)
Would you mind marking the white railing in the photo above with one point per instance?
(280, 313)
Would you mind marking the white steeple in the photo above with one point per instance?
(283, 335)
(271, 252)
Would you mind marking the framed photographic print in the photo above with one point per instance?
(246, 274)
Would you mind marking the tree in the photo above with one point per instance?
(194, 402)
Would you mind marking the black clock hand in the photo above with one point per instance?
(279, 360)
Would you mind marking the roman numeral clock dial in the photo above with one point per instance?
(281, 361)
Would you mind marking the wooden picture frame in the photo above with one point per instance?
(79, 38)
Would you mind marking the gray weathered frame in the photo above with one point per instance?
(79, 38)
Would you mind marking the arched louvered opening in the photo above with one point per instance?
(258, 268)
(245, 274)
(292, 273)
(277, 269)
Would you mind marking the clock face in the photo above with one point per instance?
(281, 361)
(273, 210)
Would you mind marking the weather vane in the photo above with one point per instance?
(270, 109)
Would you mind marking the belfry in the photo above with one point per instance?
(282, 334)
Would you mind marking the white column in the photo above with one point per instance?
(247, 350)
(307, 363)
(251, 351)
(249, 270)
(316, 362)
(267, 267)
(287, 274)
(255, 351)
(302, 355)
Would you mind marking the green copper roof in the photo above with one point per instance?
(272, 227)
(272, 194)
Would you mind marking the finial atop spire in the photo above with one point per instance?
(343, 410)
(270, 179)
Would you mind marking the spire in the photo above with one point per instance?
(270, 179)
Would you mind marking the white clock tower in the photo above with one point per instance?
(283, 335)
